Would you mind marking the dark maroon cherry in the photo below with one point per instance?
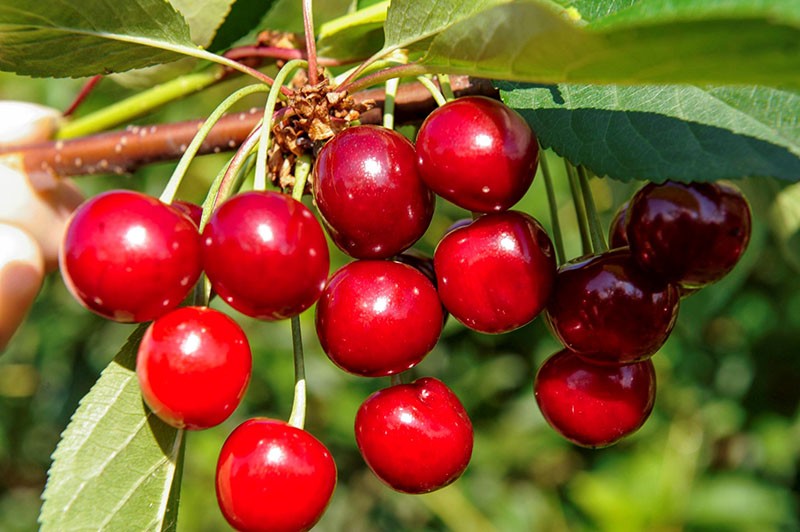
(265, 255)
(377, 318)
(609, 311)
(192, 210)
(496, 274)
(477, 153)
(369, 192)
(617, 232)
(419, 261)
(193, 367)
(129, 257)
(415, 437)
(594, 405)
(273, 477)
(692, 234)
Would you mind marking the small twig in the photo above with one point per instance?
(81, 96)
(280, 53)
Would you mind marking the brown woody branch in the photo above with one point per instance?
(122, 152)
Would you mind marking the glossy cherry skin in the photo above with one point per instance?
(369, 193)
(273, 477)
(692, 234)
(477, 153)
(617, 232)
(609, 311)
(193, 366)
(378, 318)
(593, 405)
(496, 274)
(192, 210)
(415, 437)
(265, 255)
(129, 257)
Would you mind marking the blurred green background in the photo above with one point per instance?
(720, 452)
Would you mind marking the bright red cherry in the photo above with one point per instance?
(377, 318)
(129, 257)
(609, 311)
(593, 405)
(415, 437)
(496, 274)
(617, 232)
(192, 210)
(273, 477)
(692, 234)
(477, 153)
(193, 367)
(369, 193)
(265, 255)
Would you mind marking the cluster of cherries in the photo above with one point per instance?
(132, 258)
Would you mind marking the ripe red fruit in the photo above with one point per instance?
(369, 193)
(273, 477)
(496, 274)
(617, 232)
(609, 311)
(193, 367)
(415, 437)
(592, 405)
(377, 318)
(265, 255)
(129, 257)
(477, 153)
(692, 234)
(192, 210)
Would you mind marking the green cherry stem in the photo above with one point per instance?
(595, 228)
(191, 151)
(411, 70)
(395, 379)
(388, 103)
(447, 89)
(580, 209)
(558, 240)
(260, 182)
(297, 418)
(433, 89)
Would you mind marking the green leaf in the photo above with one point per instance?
(115, 466)
(86, 37)
(660, 41)
(204, 18)
(245, 16)
(356, 35)
(683, 133)
(287, 15)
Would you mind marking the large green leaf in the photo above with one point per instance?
(659, 41)
(116, 464)
(355, 35)
(244, 17)
(87, 37)
(203, 18)
(674, 132)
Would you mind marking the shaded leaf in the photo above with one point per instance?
(86, 37)
(204, 18)
(115, 466)
(665, 132)
(660, 41)
(244, 17)
(355, 35)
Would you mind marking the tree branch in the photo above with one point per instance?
(122, 152)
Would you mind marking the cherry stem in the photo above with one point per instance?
(395, 379)
(260, 182)
(580, 209)
(447, 89)
(410, 70)
(191, 151)
(84, 92)
(311, 45)
(558, 240)
(595, 228)
(388, 102)
(285, 54)
(433, 89)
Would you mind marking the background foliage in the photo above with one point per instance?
(722, 449)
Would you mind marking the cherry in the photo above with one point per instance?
(129, 257)
(193, 367)
(273, 477)
(609, 311)
(265, 255)
(692, 234)
(477, 153)
(617, 232)
(415, 437)
(369, 193)
(593, 405)
(496, 274)
(192, 210)
(377, 318)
